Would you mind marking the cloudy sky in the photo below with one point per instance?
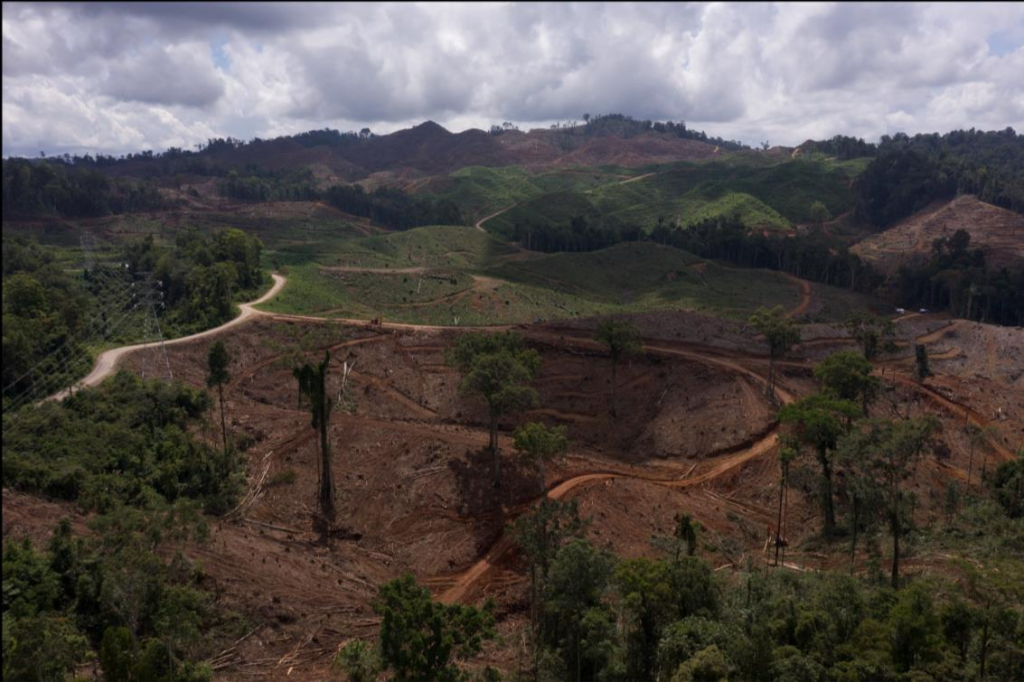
(124, 77)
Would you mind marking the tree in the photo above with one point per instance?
(847, 375)
(818, 213)
(873, 333)
(217, 362)
(577, 580)
(646, 590)
(539, 444)
(818, 422)
(921, 370)
(781, 334)
(686, 535)
(540, 535)
(498, 368)
(786, 457)
(622, 338)
(421, 639)
(887, 453)
(313, 385)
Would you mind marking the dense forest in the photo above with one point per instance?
(53, 320)
(58, 188)
(907, 173)
(391, 207)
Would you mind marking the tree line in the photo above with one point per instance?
(32, 188)
(907, 173)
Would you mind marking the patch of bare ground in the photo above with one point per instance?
(695, 434)
(997, 231)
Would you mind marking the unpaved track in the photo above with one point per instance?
(480, 223)
(107, 362)
(464, 581)
(805, 292)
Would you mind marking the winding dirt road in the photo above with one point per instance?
(107, 361)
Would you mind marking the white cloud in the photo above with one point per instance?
(122, 77)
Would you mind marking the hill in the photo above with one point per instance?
(997, 231)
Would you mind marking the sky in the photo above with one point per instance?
(126, 77)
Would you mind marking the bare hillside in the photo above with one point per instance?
(1000, 233)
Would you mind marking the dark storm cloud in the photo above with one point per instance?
(124, 76)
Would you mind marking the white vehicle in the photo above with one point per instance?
(923, 310)
(900, 311)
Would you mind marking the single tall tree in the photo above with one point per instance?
(888, 452)
(818, 421)
(622, 338)
(538, 444)
(921, 369)
(313, 386)
(499, 369)
(780, 333)
(217, 362)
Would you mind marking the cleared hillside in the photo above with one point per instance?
(998, 232)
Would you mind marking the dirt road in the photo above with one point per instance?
(107, 362)
(480, 223)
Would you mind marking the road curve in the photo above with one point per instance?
(107, 361)
(480, 223)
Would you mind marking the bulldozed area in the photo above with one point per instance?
(694, 434)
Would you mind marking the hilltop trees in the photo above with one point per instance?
(780, 333)
(621, 338)
(499, 369)
(313, 386)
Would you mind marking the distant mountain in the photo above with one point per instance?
(427, 149)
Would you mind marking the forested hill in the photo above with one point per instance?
(425, 149)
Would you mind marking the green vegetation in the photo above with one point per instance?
(54, 320)
(420, 639)
(957, 278)
(780, 333)
(498, 368)
(57, 188)
(769, 197)
(118, 595)
(622, 339)
(601, 617)
(538, 444)
(468, 288)
(312, 381)
(126, 442)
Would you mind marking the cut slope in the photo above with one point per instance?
(998, 232)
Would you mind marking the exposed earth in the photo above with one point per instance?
(695, 433)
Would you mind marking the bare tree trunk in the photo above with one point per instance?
(493, 445)
(326, 478)
(853, 543)
(615, 366)
(223, 422)
(826, 497)
(778, 523)
(896, 552)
